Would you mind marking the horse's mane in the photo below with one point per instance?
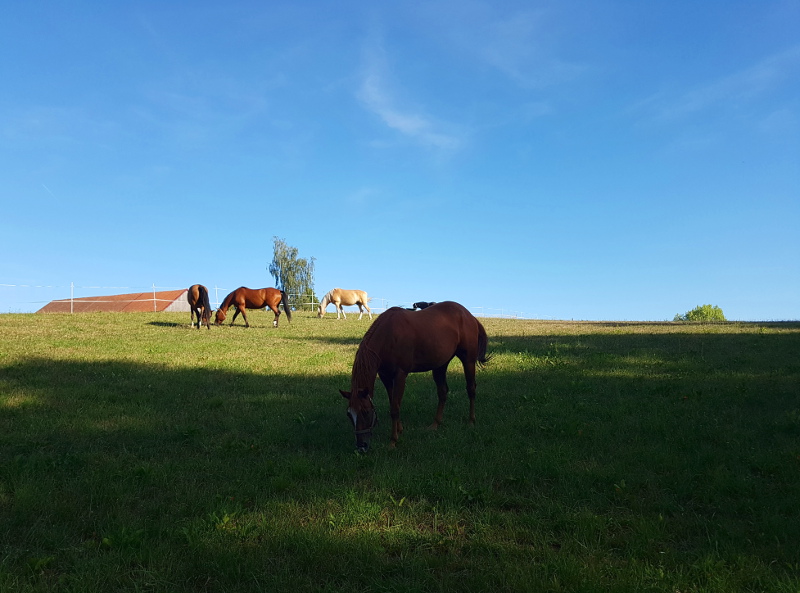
(328, 298)
(226, 302)
(365, 341)
(365, 366)
(367, 358)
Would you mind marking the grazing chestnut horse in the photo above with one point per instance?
(199, 306)
(340, 297)
(402, 342)
(254, 298)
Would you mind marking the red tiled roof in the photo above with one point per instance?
(141, 302)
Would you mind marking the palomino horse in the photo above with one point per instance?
(340, 297)
(199, 306)
(402, 342)
(254, 298)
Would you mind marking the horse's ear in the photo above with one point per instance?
(363, 393)
(345, 394)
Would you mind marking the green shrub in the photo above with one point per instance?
(702, 313)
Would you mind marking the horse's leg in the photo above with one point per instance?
(236, 314)
(469, 375)
(395, 387)
(369, 312)
(191, 316)
(340, 308)
(277, 312)
(440, 378)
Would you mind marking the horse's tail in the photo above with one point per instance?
(483, 343)
(205, 303)
(286, 306)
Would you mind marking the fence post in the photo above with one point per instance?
(154, 298)
(71, 297)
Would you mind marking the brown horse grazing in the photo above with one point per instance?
(254, 298)
(199, 306)
(339, 297)
(402, 342)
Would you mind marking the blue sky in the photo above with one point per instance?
(605, 160)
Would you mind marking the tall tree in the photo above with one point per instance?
(293, 275)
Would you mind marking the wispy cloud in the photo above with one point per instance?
(362, 196)
(56, 126)
(375, 93)
(733, 91)
(514, 45)
(521, 45)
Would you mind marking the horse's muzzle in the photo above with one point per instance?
(362, 443)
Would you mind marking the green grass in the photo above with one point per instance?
(137, 454)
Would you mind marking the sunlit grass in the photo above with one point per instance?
(139, 454)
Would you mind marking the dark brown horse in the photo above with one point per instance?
(254, 298)
(199, 306)
(402, 342)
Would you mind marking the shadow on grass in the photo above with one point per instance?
(645, 352)
(665, 450)
(168, 324)
(343, 340)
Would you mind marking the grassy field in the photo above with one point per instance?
(139, 455)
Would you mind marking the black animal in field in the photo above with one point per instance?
(422, 305)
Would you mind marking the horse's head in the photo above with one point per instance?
(219, 317)
(362, 414)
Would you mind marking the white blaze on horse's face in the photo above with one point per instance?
(363, 416)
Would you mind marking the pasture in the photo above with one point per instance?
(137, 454)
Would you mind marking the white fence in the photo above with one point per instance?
(478, 311)
(25, 298)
